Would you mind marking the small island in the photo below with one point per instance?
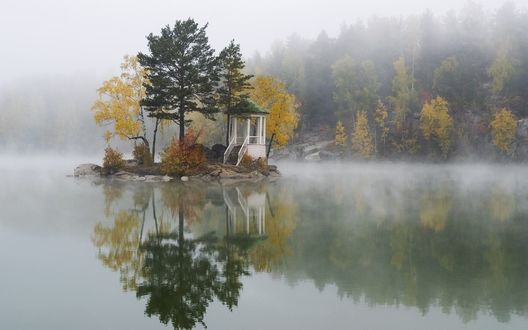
(181, 81)
(245, 158)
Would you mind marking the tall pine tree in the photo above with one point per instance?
(182, 71)
(234, 83)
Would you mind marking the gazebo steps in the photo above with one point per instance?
(233, 156)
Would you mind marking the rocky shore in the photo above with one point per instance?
(208, 173)
(313, 147)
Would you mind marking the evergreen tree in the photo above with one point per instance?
(402, 92)
(356, 87)
(235, 84)
(183, 73)
(448, 82)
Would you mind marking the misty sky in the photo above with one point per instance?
(49, 37)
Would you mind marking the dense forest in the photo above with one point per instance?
(389, 68)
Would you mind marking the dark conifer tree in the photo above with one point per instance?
(183, 73)
(234, 83)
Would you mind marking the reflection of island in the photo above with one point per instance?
(432, 247)
(180, 273)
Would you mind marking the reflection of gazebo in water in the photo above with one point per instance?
(246, 214)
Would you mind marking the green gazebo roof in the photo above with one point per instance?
(248, 107)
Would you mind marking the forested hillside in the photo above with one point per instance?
(392, 70)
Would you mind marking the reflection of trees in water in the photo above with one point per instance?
(185, 199)
(426, 246)
(178, 275)
(438, 246)
(271, 252)
(502, 203)
(179, 279)
(118, 246)
(435, 208)
(112, 193)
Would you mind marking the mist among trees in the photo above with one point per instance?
(477, 63)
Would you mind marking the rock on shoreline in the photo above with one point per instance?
(88, 170)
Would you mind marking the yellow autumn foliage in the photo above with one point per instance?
(119, 101)
(270, 253)
(118, 246)
(283, 118)
(340, 135)
(503, 130)
(361, 138)
(436, 123)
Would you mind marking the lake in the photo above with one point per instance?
(328, 246)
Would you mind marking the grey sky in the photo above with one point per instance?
(69, 36)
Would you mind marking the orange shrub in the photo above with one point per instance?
(113, 160)
(246, 161)
(262, 164)
(142, 155)
(182, 156)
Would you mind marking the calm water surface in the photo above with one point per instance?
(325, 247)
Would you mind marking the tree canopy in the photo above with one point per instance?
(475, 61)
(182, 71)
(235, 84)
(119, 102)
(271, 94)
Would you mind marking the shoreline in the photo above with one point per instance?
(208, 173)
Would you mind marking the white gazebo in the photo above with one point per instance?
(247, 134)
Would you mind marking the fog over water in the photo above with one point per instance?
(369, 245)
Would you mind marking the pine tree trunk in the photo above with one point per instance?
(154, 139)
(182, 123)
(228, 129)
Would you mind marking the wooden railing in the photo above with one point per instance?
(242, 150)
(229, 148)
